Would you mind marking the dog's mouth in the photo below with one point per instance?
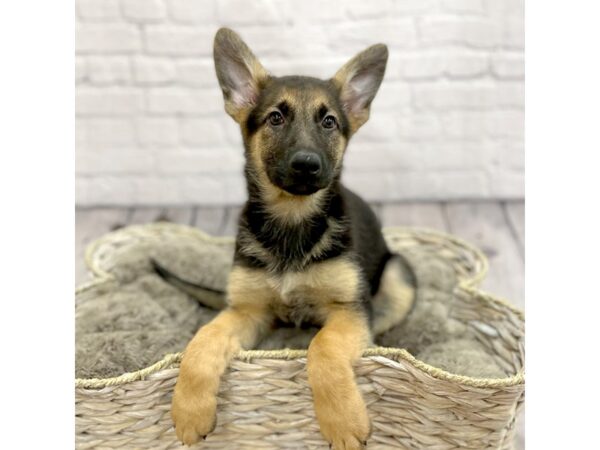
(301, 189)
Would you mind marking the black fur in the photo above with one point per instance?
(359, 238)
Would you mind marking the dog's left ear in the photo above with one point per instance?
(358, 81)
(240, 74)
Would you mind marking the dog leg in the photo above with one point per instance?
(339, 406)
(205, 359)
(396, 295)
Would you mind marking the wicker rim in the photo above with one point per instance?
(468, 285)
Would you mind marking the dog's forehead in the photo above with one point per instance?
(299, 92)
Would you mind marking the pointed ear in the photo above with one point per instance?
(358, 81)
(240, 74)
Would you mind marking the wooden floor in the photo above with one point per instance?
(496, 227)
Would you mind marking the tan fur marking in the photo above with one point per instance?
(249, 287)
(310, 294)
(207, 355)
(292, 208)
(332, 281)
(339, 406)
(393, 300)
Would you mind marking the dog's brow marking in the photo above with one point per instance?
(283, 107)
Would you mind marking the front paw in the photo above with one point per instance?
(344, 421)
(194, 414)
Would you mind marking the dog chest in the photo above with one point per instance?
(303, 296)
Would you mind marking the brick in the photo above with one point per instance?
(476, 33)
(467, 96)
(371, 186)
(262, 12)
(144, 10)
(507, 154)
(314, 67)
(394, 96)
(109, 161)
(202, 132)
(232, 131)
(80, 69)
(514, 33)
(464, 6)
(153, 71)
(508, 66)
(412, 185)
(463, 125)
(476, 125)
(157, 131)
(421, 66)
(201, 161)
(179, 41)
(460, 184)
(415, 7)
(108, 102)
(446, 124)
(466, 66)
(365, 156)
(235, 189)
(97, 10)
(196, 73)
(510, 95)
(430, 184)
(109, 133)
(192, 12)
(303, 12)
(415, 127)
(115, 38)
(505, 7)
(211, 189)
(500, 124)
(151, 189)
(453, 155)
(175, 100)
(397, 33)
(508, 184)
(309, 41)
(109, 69)
(380, 127)
(359, 9)
(81, 138)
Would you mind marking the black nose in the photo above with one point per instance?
(306, 163)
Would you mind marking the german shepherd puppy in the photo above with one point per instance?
(308, 250)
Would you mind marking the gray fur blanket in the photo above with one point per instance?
(138, 318)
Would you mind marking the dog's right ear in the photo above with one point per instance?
(240, 74)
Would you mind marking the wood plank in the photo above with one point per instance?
(90, 224)
(229, 226)
(148, 215)
(515, 212)
(427, 215)
(377, 209)
(485, 225)
(209, 218)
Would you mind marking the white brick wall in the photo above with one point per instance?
(447, 124)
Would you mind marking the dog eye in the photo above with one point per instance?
(275, 118)
(329, 122)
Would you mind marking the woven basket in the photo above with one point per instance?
(265, 401)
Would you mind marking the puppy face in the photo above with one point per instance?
(295, 129)
(297, 133)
